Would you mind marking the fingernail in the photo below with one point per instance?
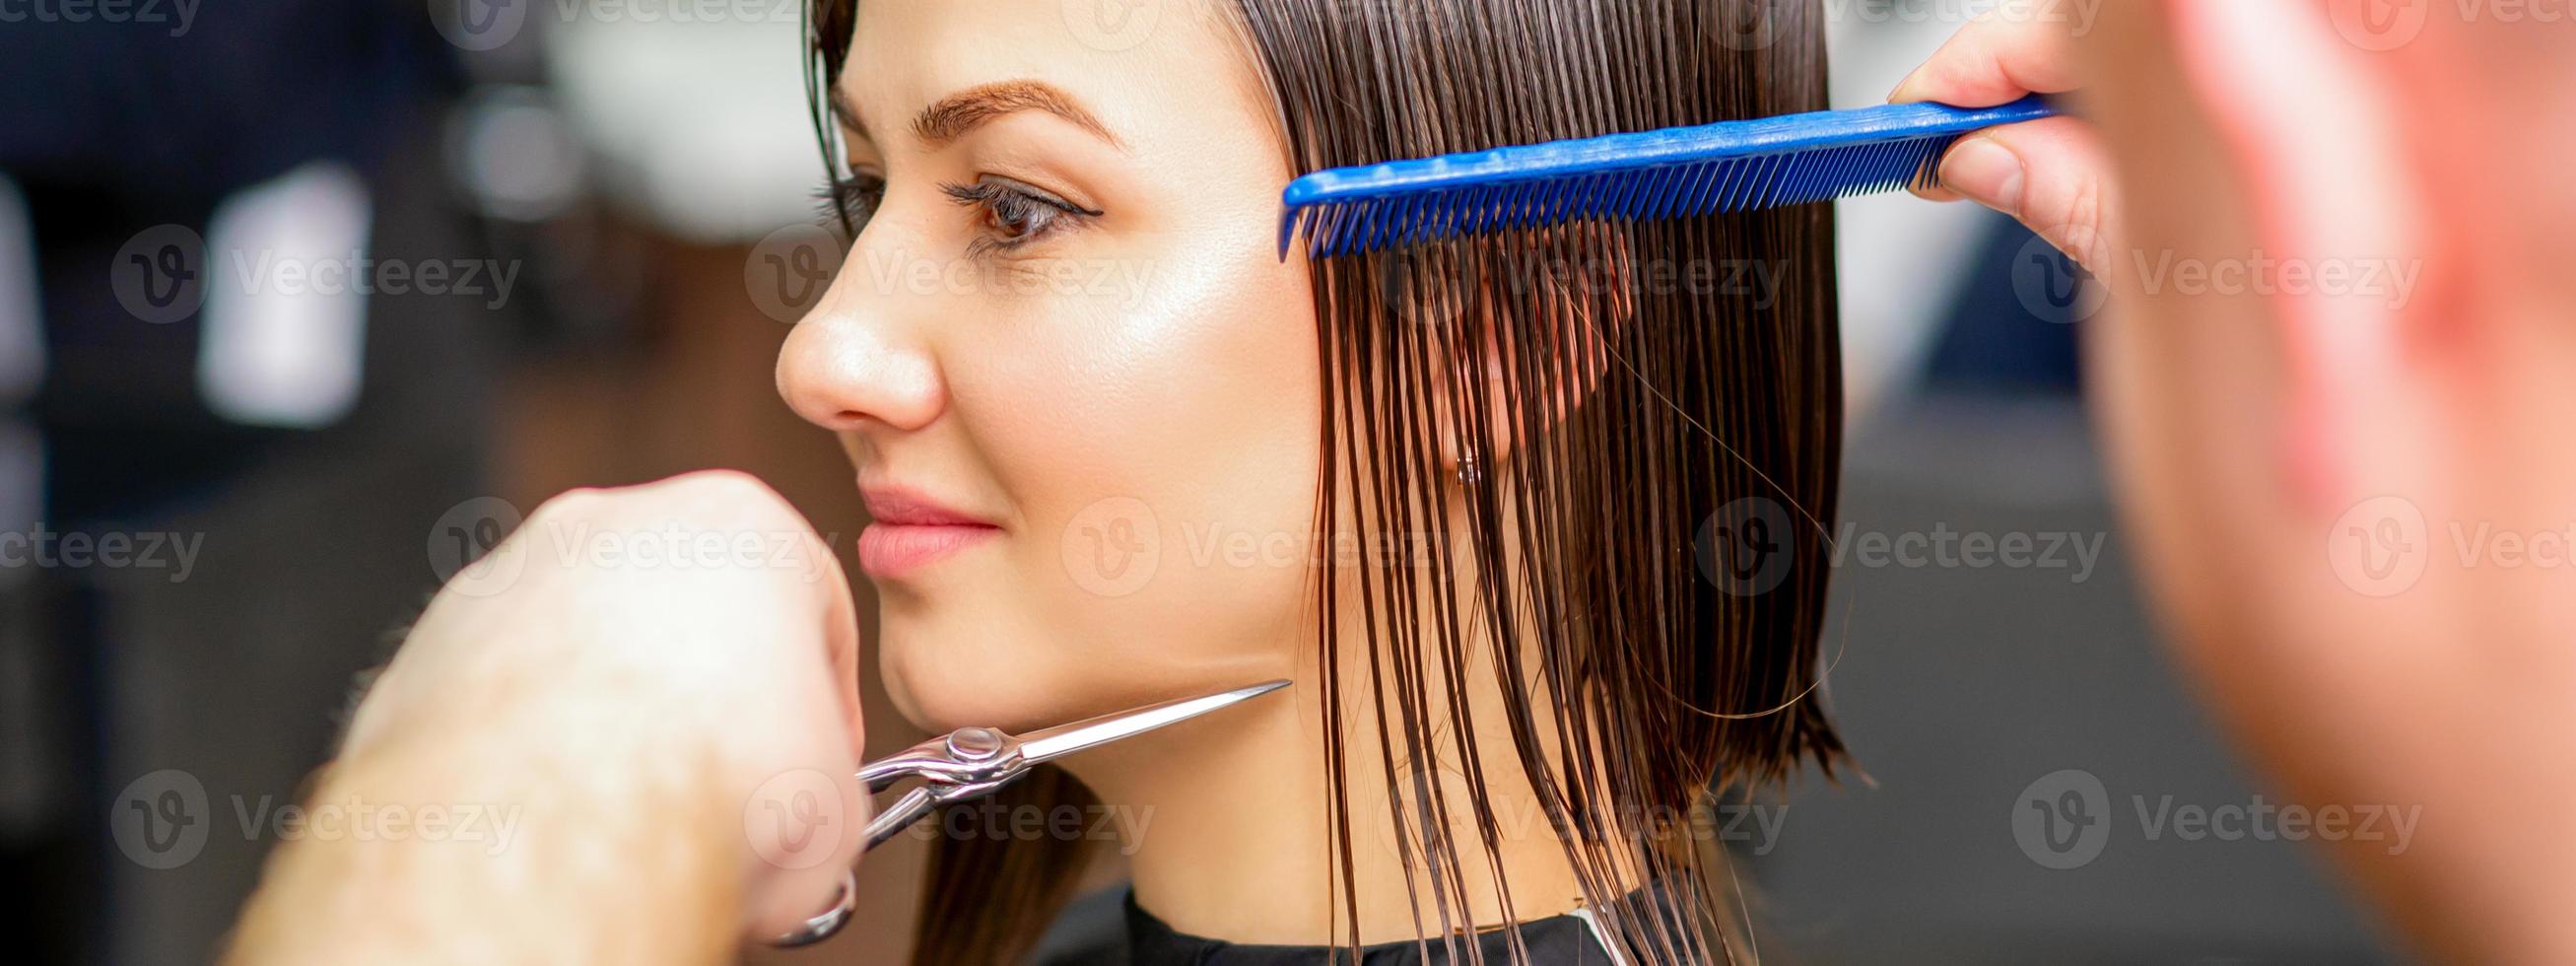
(1985, 172)
(1904, 92)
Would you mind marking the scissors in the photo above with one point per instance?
(972, 762)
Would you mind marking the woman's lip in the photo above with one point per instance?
(905, 508)
(894, 549)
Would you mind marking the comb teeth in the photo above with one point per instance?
(1679, 173)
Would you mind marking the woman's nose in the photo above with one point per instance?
(862, 357)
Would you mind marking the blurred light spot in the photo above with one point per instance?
(32, 792)
(285, 316)
(718, 154)
(516, 160)
(22, 334)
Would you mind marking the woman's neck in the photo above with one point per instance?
(1230, 833)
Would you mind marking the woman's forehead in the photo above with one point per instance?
(1170, 64)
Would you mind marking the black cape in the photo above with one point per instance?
(1563, 940)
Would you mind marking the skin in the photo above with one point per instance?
(1055, 415)
(584, 697)
(2228, 418)
(2261, 443)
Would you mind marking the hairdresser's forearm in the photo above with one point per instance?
(618, 865)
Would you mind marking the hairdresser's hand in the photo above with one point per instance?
(2054, 174)
(657, 687)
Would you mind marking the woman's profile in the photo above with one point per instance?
(1533, 521)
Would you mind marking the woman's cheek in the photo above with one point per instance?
(1165, 461)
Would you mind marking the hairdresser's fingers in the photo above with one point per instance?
(808, 831)
(794, 718)
(804, 880)
(841, 638)
(2011, 52)
(2054, 175)
(697, 623)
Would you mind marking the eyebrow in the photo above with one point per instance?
(959, 114)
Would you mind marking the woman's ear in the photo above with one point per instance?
(1546, 310)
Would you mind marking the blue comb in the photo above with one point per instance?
(1672, 173)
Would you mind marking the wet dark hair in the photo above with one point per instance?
(1647, 405)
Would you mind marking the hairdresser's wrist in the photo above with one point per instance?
(742, 800)
(480, 842)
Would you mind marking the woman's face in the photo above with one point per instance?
(1079, 386)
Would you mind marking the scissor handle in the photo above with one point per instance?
(821, 926)
(911, 807)
(972, 762)
(906, 810)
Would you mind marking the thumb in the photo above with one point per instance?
(2052, 174)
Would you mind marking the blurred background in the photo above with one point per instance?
(303, 302)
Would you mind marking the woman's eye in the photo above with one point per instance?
(1010, 213)
(851, 201)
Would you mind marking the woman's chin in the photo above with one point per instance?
(943, 688)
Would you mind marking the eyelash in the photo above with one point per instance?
(849, 202)
(1013, 214)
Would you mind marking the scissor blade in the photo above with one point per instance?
(1063, 740)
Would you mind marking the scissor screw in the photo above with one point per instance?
(974, 744)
